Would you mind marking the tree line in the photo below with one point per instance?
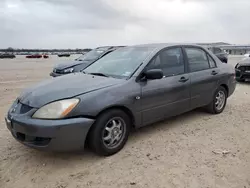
(11, 50)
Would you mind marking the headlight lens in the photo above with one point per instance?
(69, 70)
(56, 110)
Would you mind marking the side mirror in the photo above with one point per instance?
(154, 74)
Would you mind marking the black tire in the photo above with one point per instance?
(95, 137)
(211, 108)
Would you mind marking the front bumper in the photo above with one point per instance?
(242, 75)
(51, 135)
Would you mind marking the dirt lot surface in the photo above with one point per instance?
(185, 151)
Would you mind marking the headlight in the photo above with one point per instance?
(70, 70)
(56, 110)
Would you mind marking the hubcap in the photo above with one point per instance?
(114, 132)
(220, 100)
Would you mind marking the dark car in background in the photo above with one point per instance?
(34, 56)
(7, 56)
(82, 62)
(221, 54)
(242, 70)
(129, 88)
(45, 56)
(63, 55)
(37, 56)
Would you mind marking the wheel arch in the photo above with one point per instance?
(120, 107)
(226, 88)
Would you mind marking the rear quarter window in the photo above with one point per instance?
(211, 62)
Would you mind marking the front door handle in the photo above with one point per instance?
(183, 79)
(214, 72)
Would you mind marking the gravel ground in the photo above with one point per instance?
(196, 149)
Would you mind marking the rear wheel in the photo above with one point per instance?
(110, 132)
(219, 101)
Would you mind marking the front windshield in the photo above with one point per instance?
(121, 63)
(91, 56)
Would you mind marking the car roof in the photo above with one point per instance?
(245, 62)
(106, 48)
(164, 45)
(209, 46)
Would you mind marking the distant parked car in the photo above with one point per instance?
(242, 70)
(64, 55)
(221, 54)
(45, 56)
(246, 55)
(34, 56)
(82, 62)
(129, 88)
(7, 56)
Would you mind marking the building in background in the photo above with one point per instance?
(231, 49)
(236, 49)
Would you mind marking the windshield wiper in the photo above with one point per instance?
(98, 74)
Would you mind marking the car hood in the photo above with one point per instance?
(63, 87)
(69, 64)
(245, 62)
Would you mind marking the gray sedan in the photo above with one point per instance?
(129, 88)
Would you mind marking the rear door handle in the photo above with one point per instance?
(214, 72)
(183, 79)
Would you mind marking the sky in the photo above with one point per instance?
(92, 23)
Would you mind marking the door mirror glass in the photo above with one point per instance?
(154, 74)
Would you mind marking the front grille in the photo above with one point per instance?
(24, 108)
(245, 77)
(58, 71)
(19, 108)
(244, 68)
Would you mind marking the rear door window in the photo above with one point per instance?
(197, 59)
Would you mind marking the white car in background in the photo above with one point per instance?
(247, 55)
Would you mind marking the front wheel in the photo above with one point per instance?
(110, 132)
(219, 101)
